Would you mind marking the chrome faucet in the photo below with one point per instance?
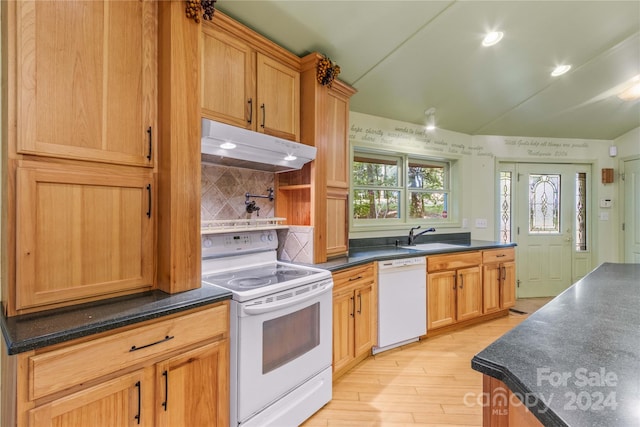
(413, 237)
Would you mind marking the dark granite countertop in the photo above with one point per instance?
(31, 331)
(577, 359)
(363, 251)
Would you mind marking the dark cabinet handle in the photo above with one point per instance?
(250, 102)
(149, 201)
(353, 306)
(360, 303)
(501, 255)
(351, 279)
(165, 374)
(455, 281)
(136, 348)
(150, 143)
(461, 281)
(139, 387)
(263, 115)
(504, 273)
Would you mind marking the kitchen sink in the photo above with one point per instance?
(433, 246)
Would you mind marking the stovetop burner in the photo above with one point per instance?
(249, 282)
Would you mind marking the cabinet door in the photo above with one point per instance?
(441, 299)
(336, 119)
(81, 233)
(278, 93)
(123, 401)
(343, 324)
(508, 284)
(228, 79)
(492, 274)
(469, 303)
(192, 389)
(365, 334)
(87, 79)
(337, 223)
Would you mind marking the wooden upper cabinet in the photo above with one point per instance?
(228, 79)
(278, 97)
(336, 121)
(248, 81)
(87, 80)
(82, 233)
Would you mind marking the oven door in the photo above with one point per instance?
(283, 340)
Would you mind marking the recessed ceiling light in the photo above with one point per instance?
(560, 70)
(492, 38)
(290, 157)
(228, 145)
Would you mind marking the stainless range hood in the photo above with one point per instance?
(227, 145)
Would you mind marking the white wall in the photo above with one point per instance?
(478, 157)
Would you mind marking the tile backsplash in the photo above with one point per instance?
(223, 192)
(223, 196)
(296, 244)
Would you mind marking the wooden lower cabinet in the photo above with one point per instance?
(441, 298)
(191, 385)
(469, 293)
(499, 276)
(453, 295)
(354, 316)
(172, 372)
(118, 402)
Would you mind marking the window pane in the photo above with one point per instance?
(375, 204)
(428, 205)
(544, 204)
(581, 211)
(505, 207)
(426, 176)
(371, 171)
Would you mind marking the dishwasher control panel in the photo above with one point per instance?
(402, 262)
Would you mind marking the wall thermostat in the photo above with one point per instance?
(606, 203)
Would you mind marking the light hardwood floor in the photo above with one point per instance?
(429, 383)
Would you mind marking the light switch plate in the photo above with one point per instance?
(481, 223)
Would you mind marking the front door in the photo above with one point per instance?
(551, 227)
(631, 186)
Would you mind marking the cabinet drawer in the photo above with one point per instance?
(453, 261)
(354, 276)
(60, 369)
(498, 255)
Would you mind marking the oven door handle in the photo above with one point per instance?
(278, 305)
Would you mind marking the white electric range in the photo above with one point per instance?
(281, 317)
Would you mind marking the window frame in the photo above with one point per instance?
(404, 220)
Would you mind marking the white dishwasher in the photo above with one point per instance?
(402, 302)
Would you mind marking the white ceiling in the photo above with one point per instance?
(404, 57)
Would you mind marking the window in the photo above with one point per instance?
(376, 190)
(399, 189)
(505, 206)
(427, 183)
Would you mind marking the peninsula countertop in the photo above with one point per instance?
(577, 359)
